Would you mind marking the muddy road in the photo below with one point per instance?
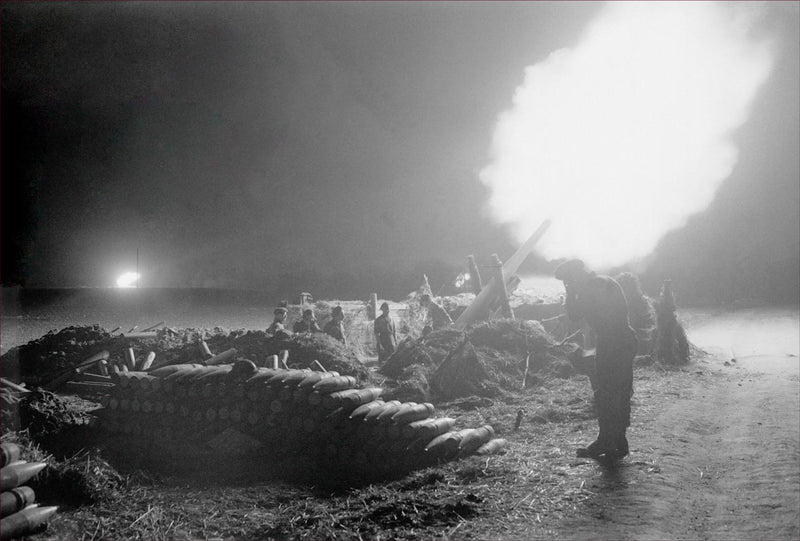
(722, 460)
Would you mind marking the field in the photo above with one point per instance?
(536, 489)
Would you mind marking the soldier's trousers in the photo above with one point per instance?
(614, 382)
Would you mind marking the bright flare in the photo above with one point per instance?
(622, 137)
(127, 280)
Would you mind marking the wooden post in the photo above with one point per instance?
(373, 305)
(474, 274)
(153, 327)
(481, 304)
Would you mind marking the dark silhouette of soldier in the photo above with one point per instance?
(335, 327)
(599, 300)
(385, 334)
(308, 323)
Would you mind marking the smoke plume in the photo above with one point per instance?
(624, 136)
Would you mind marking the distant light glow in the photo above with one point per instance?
(128, 279)
(627, 134)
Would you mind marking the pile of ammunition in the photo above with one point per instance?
(20, 515)
(316, 415)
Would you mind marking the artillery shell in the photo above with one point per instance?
(310, 425)
(413, 413)
(361, 396)
(158, 406)
(360, 413)
(474, 439)
(26, 522)
(130, 359)
(226, 356)
(261, 377)
(148, 362)
(385, 412)
(10, 452)
(14, 476)
(168, 370)
(311, 379)
(293, 380)
(446, 445)
(491, 447)
(335, 400)
(315, 398)
(429, 428)
(334, 384)
(147, 406)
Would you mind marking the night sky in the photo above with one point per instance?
(332, 147)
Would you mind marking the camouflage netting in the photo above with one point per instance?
(484, 361)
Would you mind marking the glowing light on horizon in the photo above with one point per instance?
(624, 136)
(129, 279)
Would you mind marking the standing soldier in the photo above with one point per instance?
(599, 300)
(335, 327)
(437, 318)
(385, 334)
(308, 323)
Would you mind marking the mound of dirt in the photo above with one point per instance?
(48, 417)
(484, 361)
(39, 359)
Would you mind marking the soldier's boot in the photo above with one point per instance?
(618, 447)
(599, 446)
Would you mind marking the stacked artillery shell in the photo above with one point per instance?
(20, 515)
(315, 416)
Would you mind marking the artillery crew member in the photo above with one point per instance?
(599, 300)
(279, 322)
(335, 327)
(385, 334)
(437, 318)
(308, 323)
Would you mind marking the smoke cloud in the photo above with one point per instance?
(622, 137)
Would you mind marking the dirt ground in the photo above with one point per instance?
(724, 451)
(714, 455)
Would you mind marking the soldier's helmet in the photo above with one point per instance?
(385, 306)
(337, 311)
(573, 269)
(280, 310)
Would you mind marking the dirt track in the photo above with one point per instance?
(722, 461)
